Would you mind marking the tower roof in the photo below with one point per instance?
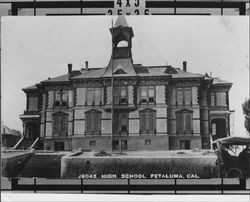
(121, 21)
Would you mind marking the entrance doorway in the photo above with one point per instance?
(218, 127)
(120, 145)
(32, 131)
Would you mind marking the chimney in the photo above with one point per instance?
(69, 68)
(87, 65)
(185, 66)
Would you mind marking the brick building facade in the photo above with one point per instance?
(154, 107)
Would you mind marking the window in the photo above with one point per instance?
(92, 143)
(184, 122)
(147, 94)
(61, 99)
(147, 142)
(221, 99)
(94, 96)
(120, 95)
(120, 125)
(179, 97)
(212, 99)
(187, 96)
(213, 128)
(143, 95)
(124, 144)
(151, 94)
(93, 122)
(218, 99)
(64, 99)
(184, 144)
(115, 145)
(60, 124)
(147, 121)
(184, 96)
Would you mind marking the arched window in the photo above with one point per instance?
(93, 122)
(122, 43)
(147, 121)
(184, 121)
(60, 124)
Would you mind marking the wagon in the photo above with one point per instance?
(233, 156)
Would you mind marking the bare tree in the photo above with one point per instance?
(246, 112)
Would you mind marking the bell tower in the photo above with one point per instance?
(122, 39)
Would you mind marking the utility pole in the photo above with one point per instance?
(112, 90)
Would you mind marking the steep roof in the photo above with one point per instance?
(124, 64)
(121, 21)
(91, 73)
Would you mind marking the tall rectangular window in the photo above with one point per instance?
(187, 96)
(123, 94)
(94, 96)
(184, 96)
(57, 98)
(147, 94)
(151, 94)
(93, 122)
(60, 124)
(64, 98)
(179, 96)
(147, 121)
(213, 128)
(212, 99)
(120, 95)
(124, 120)
(61, 99)
(98, 96)
(143, 95)
(184, 122)
(120, 123)
(90, 96)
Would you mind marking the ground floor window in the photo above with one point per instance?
(184, 144)
(92, 143)
(147, 142)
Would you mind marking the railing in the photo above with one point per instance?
(33, 144)
(174, 186)
(18, 143)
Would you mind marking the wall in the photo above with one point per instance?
(102, 143)
(49, 143)
(202, 165)
(11, 166)
(174, 142)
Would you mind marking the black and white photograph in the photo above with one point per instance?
(125, 99)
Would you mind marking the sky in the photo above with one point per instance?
(35, 48)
